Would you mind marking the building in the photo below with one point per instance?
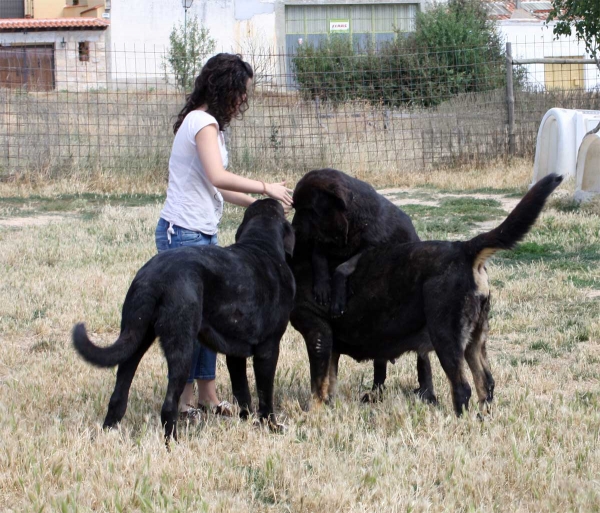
(140, 28)
(48, 45)
(523, 24)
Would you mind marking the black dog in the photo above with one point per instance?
(418, 296)
(341, 216)
(338, 217)
(235, 300)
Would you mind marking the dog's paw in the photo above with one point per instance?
(336, 312)
(322, 292)
(426, 395)
(277, 428)
(271, 424)
(338, 304)
(373, 396)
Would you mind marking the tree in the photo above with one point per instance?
(188, 48)
(256, 50)
(583, 17)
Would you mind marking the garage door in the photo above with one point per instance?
(365, 24)
(27, 67)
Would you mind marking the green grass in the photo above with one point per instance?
(453, 217)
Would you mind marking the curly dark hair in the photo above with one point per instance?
(221, 85)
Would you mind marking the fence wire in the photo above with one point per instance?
(79, 107)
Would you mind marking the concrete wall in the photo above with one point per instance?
(533, 39)
(140, 31)
(142, 26)
(71, 74)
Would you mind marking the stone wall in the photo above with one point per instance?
(74, 69)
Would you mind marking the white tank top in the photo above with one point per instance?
(192, 201)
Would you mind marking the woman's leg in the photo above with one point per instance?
(204, 361)
(206, 366)
(187, 400)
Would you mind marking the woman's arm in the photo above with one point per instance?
(210, 158)
(237, 198)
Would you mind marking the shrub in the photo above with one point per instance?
(453, 50)
(189, 46)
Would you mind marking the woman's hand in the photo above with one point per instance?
(287, 209)
(279, 192)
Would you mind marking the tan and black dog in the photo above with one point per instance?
(337, 218)
(416, 296)
(235, 300)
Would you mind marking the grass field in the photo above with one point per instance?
(68, 251)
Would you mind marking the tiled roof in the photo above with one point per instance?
(505, 10)
(20, 24)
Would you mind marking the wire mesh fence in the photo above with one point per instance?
(79, 108)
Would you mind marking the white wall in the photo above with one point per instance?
(140, 30)
(533, 39)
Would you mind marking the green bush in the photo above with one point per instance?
(453, 50)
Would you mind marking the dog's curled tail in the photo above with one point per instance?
(123, 348)
(517, 224)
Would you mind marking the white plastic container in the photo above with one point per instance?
(560, 134)
(587, 180)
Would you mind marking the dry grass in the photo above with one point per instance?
(126, 135)
(538, 451)
(495, 175)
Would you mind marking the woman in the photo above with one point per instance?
(198, 184)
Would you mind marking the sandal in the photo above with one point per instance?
(191, 414)
(224, 408)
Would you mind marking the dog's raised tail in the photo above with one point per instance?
(517, 224)
(123, 348)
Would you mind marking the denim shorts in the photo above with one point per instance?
(179, 237)
(204, 360)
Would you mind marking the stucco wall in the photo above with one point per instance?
(140, 26)
(533, 39)
(48, 8)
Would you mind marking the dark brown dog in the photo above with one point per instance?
(235, 300)
(336, 219)
(418, 296)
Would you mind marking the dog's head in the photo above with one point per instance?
(261, 219)
(321, 203)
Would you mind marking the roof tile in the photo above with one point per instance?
(504, 9)
(18, 24)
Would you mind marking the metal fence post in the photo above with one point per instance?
(510, 99)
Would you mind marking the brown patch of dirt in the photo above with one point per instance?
(41, 220)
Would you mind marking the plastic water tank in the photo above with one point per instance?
(587, 181)
(559, 137)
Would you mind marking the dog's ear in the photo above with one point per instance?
(342, 195)
(289, 239)
(343, 226)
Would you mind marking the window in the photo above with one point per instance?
(84, 51)
(365, 24)
(12, 9)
